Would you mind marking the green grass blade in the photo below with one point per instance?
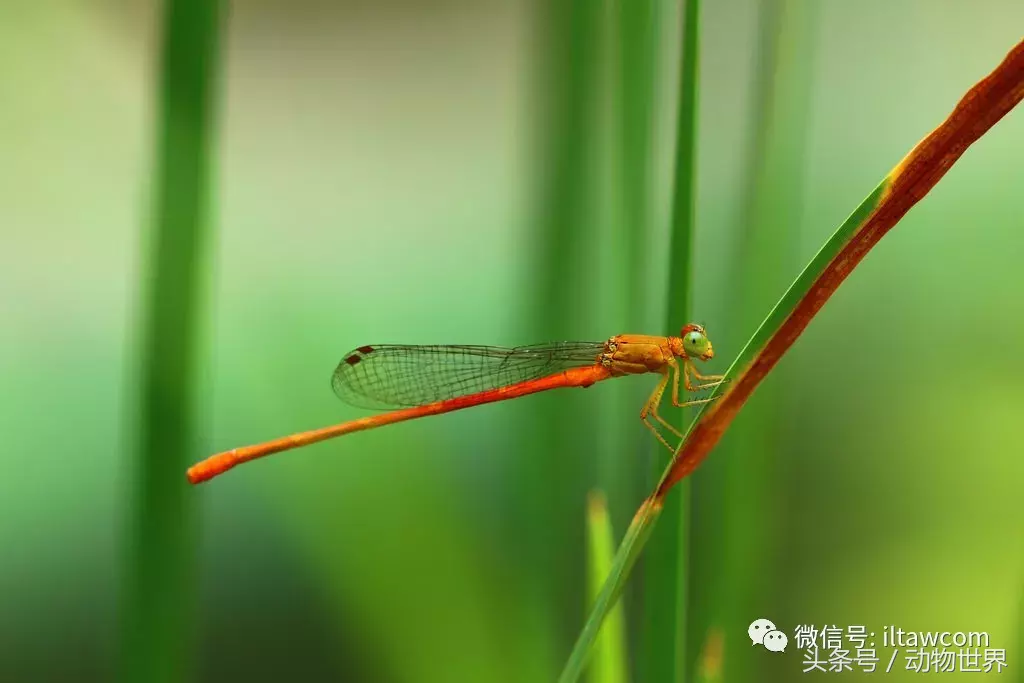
(610, 664)
(666, 572)
(625, 558)
(160, 548)
(981, 108)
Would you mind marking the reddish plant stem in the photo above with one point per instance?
(983, 105)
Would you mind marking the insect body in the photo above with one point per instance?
(417, 381)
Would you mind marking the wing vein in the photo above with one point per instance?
(386, 376)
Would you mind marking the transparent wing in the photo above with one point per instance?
(392, 375)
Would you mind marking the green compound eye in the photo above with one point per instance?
(695, 343)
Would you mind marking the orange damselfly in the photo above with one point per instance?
(416, 381)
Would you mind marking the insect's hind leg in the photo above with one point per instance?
(657, 435)
(651, 408)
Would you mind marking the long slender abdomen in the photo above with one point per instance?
(222, 462)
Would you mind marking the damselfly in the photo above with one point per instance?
(416, 381)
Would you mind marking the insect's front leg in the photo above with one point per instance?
(713, 380)
(675, 388)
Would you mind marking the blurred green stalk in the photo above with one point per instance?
(631, 70)
(159, 588)
(609, 664)
(709, 666)
(636, 21)
(562, 291)
(665, 567)
(740, 505)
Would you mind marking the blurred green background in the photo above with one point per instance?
(463, 172)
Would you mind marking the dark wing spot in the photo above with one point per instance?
(358, 354)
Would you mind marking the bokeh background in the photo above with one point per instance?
(500, 173)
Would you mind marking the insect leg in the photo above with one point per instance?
(688, 368)
(651, 408)
(713, 378)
